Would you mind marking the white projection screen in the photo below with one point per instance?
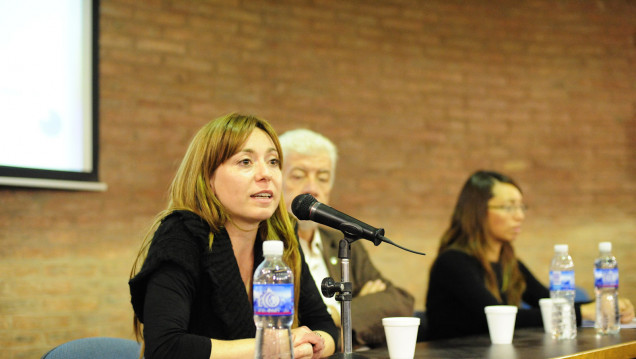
(49, 94)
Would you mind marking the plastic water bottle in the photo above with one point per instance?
(273, 293)
(606, 288)
(562, 292)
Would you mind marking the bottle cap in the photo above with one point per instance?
(273, 248)
(561, 248)
(605, 246)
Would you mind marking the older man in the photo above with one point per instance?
(309, 167)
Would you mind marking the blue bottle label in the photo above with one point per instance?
(606, 278)
(562, 280)
(273, 299)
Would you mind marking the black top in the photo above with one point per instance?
(186, 294)
(457, 295)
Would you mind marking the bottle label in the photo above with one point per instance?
(273, 299)
(562, 280)
(606, 278)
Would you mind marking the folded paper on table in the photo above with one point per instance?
(590, 324)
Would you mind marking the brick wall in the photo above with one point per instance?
(417, 95)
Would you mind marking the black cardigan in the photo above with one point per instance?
(457, 295)
(186, 294)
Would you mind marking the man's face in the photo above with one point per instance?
(307, 174)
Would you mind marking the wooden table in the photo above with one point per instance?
(527, 343)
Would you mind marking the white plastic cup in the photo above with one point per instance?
(546, 305)
(501, 323)
(401, 336)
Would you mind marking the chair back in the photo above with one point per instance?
(422, 332)
(96, 348)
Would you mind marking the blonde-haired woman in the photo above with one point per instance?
(192, 296)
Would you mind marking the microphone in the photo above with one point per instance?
(306, 207)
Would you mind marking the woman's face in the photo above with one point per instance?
(506, 213)
(248, 184)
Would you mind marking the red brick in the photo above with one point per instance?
(416, 94)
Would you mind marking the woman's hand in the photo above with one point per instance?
(626, 309)
(306, 343)
(588, 311)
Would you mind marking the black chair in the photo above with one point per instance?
(580, 296)
(422, 332)
(96, 348)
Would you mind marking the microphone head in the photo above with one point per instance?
(301, 205)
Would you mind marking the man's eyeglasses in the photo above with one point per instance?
(511, 208)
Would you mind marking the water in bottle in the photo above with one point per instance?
(273, 293)
(562, 292)
(606, 288)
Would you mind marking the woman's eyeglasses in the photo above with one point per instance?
(511, 208)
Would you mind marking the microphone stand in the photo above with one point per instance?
(344, 290)
(344, 293)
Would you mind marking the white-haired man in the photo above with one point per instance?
(309, 163)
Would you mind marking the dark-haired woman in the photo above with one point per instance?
(476, 265)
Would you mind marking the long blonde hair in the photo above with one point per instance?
(466, 233)
(190, 190)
